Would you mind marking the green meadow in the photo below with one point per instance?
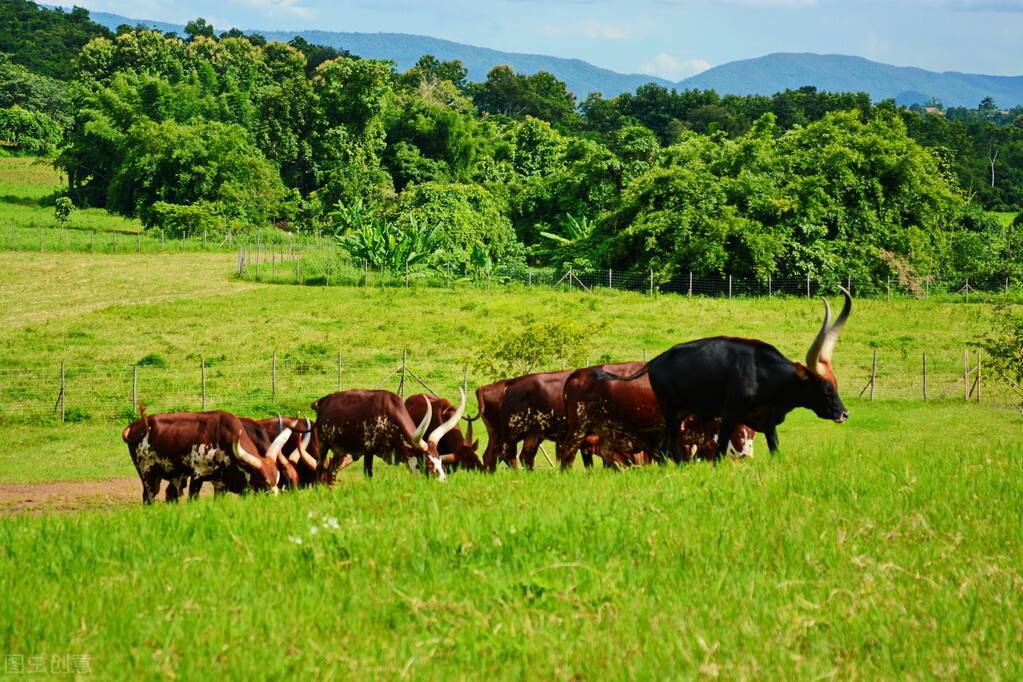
(887, 547)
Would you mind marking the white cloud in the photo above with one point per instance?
(671, 67)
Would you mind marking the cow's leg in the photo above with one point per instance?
(724, 438)
(566, 453)
(670, 438)
(367, 464)
(194, 487)
(772, 439)
(175, 487)
(529, 449)
(150, 485)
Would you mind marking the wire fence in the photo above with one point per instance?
(277, 257)
(77, 392)
(332, 266)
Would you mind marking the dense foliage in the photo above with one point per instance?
(45, 40)
(423, 169)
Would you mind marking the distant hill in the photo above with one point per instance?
(763, 75)
(839, 73)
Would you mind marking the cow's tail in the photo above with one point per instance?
(635, 375)
(127, 433)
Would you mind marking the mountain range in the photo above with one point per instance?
(763, 75)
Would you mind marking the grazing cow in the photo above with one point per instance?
(742, 381)
(622, 423)
(210, 446)
(302, 449)
(353, 424)
(532, 411)
(462, 448)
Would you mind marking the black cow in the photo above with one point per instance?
(742, 381)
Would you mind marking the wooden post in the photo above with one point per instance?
(406, 274)
(465, 379)
(40, 240)
(925, 374)
(873, 375)
(163, 239)
(690, 282)
(273, 378)
(609, 280)
(339, 371)
(202, 377)
(651, 282)
(63, 392)
(401, 381)
(966, 374)
(729, 286)
(978, 376)
(298, 269)
(204, 240)
(139, 239)
(927, 288)
(966, 289)
(848, 284)
(273, 266)
(770, 285)
(134, 387)
(808, 285)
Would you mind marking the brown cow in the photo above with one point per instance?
(211, 446)
(462, 448)
(622, 421)
(532, 411)
(359, 423)
(302, 449)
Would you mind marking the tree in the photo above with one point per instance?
(62, 208)
(987, 104)
(199, 28)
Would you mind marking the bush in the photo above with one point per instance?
(534, 346)
(468, 218)
(30, 132)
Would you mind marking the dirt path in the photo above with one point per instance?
(65, 496)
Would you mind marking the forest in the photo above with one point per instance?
(226, 132)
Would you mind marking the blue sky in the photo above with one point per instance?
(669, 38)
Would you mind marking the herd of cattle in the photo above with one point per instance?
(703, 399)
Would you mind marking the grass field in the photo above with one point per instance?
(888, 547)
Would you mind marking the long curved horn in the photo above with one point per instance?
(451, 423)
(813, 355)
(278, 444)
(309, 460)
(417, 435)
(240, 453)
(833, 332)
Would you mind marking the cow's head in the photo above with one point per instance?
(820, 387)
(263, 470)
(306, 465)
(434, 459)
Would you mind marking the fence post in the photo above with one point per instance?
(690, 282)
(12, 238)
(651, 282)
(529, 276)
(134, 387)
(848, 284)
(40, 240)
(808, 285)
(873, 375)
(273, 265)
(966, 374)
(139, 242)
(465, 379)
(202, 376)
(729, 286)
(609, 280)
(406, 274)
(978, 376)
(273, 378)
(339, 371)
(927, 288)
(770, 290)
(401, 381)
(63, 392)
(298, 269)
(925, 374)
(966, 289)
(163, 239)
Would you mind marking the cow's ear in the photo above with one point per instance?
(801, 371)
